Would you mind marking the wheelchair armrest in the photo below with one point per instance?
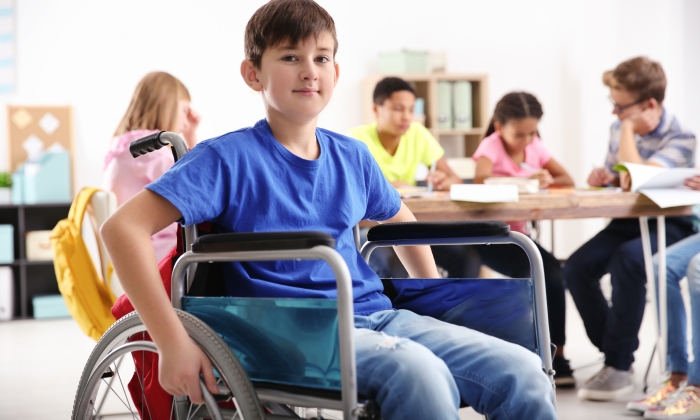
(261, 241)
(437, 230)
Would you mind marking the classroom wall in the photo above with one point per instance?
(91, 55)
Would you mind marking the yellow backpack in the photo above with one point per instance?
(89, 299)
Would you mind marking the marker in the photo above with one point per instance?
(432, 171)
(528, 167)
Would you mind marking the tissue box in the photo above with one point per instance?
(39, 246)
(49, 306)
(403, 62)
(7, 244)
(44, 181)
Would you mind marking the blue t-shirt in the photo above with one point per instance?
(246, 181)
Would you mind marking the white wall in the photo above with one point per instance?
(91, 55)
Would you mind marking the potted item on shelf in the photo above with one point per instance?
(5, 187)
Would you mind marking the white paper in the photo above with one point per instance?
(646, 176)
(672, 197)
(481, 193)
(664, 186)
(49, 123)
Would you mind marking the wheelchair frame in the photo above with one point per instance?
(185, 266)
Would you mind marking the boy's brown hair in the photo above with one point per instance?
(154, 105)
(639, 76)
(289, 21)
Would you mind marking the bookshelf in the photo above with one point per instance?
(456, 142)
(31, 277)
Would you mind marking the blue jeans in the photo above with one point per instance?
(617, 250)
(417, 367)
(683, 258)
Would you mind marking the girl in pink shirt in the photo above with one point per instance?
(512, 147)
(160, 102)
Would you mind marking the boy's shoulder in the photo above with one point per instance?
(341, 141)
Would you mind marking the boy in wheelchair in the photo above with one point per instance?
(285, 174)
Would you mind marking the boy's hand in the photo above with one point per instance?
(544, 177)
(441, 181)
(625, 181)
(644, 121)
(179, 368)
(693, 183)
(600, 177)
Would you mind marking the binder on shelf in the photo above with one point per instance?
(463, 105)
(6, 294)
(444, 105)
(7, 244)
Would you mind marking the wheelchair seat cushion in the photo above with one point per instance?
(434, 230)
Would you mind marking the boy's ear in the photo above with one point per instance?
(337, 74)
(497, 126)
(250, 75)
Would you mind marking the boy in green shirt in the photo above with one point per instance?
(398, 143)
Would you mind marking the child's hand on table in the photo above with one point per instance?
(544, 177)
(441, 181)
(693, 183)
(179, 367)
(600, 177)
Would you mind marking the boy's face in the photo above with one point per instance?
(395, 115)
(296, 81)
(625, 103)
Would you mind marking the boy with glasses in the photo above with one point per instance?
(648, 134)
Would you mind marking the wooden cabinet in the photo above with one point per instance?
(457, 142)
(31, 277)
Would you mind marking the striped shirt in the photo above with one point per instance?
(669, 145)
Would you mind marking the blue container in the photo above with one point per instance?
(7, 244)
(286, 341)
(50, 306)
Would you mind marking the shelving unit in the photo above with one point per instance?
(31, 277)
(457, 143)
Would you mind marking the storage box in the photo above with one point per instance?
(44, 181)
(404, 61)
(6, 294)
(7, 244)
(49, 306)
(39, 246)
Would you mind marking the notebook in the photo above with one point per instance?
(482, 193)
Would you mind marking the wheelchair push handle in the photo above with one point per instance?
(156, 141)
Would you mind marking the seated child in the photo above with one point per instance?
(399, 145)
(284, 173)
(160, 103)
(512, 139)
(664, 401)
(645, 133)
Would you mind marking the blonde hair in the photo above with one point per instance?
(154, 105)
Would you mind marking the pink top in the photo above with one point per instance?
(125, 176)
(492, 148)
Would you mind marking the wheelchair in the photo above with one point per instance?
(265, 352)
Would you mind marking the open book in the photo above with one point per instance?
(663, 186)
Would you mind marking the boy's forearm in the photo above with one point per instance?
(628, 148)
(418, 260)
(139, 276)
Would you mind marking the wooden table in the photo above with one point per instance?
(571, 205)
(543, 207)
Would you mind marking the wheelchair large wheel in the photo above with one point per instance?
(103, 391)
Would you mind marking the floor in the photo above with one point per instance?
(41, 362)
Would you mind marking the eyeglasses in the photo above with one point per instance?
(621, 108)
